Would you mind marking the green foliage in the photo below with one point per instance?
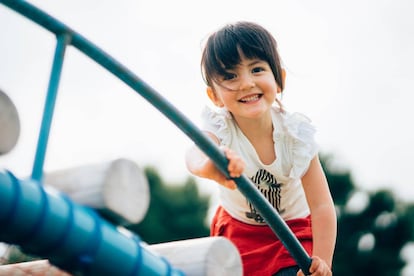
(370, 239)
(340, 180)
(176, 212)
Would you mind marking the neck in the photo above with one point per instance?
(260, 135)
(255, 129)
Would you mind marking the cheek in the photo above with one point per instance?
(268, 87)
(219, 98)
(222, 95)
(271, 86)
(226, 96)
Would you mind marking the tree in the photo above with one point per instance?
(176, 212)
(373, 227)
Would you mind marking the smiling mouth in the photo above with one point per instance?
(250, 98)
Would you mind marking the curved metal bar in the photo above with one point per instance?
(277, 224)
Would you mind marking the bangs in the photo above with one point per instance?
(226, 47)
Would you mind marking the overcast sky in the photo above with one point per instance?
(349, 68)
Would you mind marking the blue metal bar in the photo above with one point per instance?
(276, 223)
(48, 111)
(48, 224)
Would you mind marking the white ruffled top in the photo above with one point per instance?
(280, 181)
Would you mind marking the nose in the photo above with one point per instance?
(246, 82)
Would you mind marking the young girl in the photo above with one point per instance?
(274, 148)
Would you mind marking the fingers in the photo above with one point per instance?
(235, 168)
(318, 268)
(230, 184)
(236, 164)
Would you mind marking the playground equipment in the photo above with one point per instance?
(118, 189)
(71, 236)
(91, 259)
(9, 124)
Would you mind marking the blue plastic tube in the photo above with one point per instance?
(46, 223)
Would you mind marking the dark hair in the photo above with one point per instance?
(223, 48)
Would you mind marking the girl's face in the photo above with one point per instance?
(247, 91)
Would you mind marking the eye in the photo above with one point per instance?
(258, 69)
(229, 76)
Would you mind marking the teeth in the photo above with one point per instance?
(251, 98)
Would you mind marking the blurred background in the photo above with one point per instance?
(349, 68)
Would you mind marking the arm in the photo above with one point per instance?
(324, 226)
(199, 164)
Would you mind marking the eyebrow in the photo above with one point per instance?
(254, 62)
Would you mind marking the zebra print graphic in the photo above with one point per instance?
(268, 186)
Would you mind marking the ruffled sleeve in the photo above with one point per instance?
(217, 122)
(303, 146)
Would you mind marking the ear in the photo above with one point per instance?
(213, 97)
(283, 73)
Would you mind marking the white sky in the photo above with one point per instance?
(349, 64)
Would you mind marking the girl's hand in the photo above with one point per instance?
(318, 268)
(235, 168)
(199, 164)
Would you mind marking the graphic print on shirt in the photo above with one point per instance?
(268, 186)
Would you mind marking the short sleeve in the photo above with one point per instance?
(303, 144)
(218, 123)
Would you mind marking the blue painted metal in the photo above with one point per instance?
(62, 41)
(72, 237)
(277, 224)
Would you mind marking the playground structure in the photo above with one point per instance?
(82, 242)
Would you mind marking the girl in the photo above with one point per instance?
(275, 149)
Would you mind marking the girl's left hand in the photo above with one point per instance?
(318, 268)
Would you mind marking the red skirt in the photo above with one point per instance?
(262, 253)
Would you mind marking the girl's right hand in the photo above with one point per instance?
(201, 165)
(235, 168)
